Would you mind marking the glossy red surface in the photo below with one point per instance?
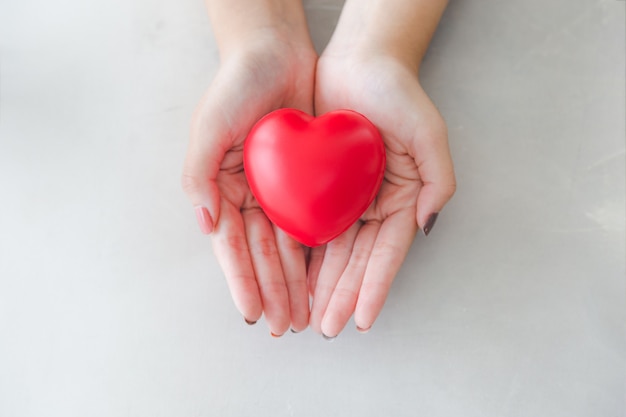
(314, 177)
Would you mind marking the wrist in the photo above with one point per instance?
(362, 51)
(397, 29)
(240, 25)
(359, 56)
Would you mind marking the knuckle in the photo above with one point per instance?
(237, 244)
(296, 281)
(386, 250)
(345, 298)
(324, 288)
(247, 283)
(290, 244)
(274, 289)
(376, 289)
(359, 258)
(451, 189)
(264, 247)
(316, 254)
(339, 245)
(447, 190)
(190, 183)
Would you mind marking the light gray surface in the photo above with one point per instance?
(111, 303)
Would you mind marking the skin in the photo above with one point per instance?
(371, 65)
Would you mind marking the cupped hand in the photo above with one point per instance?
(354, 272)
(264, 268)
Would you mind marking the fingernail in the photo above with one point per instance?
(362, 330)
(430, 223)
(248, 322)
(276, 336)
(204, 220)
(293, 331)
(329, 338)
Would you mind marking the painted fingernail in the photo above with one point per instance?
(362, 330)
(249, 322)
(329, 338)
(430, 223)
(276, 336)
(204, 220)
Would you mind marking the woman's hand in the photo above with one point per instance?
(264, 67)
(353, 273)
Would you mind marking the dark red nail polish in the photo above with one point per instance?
(362, 330)
(430, 223)
(249, 322)
(276, 336)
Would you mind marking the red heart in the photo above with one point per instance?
(314, 177)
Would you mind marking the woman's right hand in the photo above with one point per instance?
(264, 268)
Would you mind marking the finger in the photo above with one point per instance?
(268, 270)
(314, 264)
(231, 250)
(294, 270)
(436, 172)
(390, 248)
(335, 260)
(344, 297)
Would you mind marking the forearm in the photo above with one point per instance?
(400, 28)
(241, 22)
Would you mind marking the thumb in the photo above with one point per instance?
(208, 145)
(434, 164)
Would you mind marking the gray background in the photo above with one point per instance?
(112, 304)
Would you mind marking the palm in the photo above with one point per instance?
(248, 92)
(387, 94)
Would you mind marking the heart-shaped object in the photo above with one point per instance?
(314, 177)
